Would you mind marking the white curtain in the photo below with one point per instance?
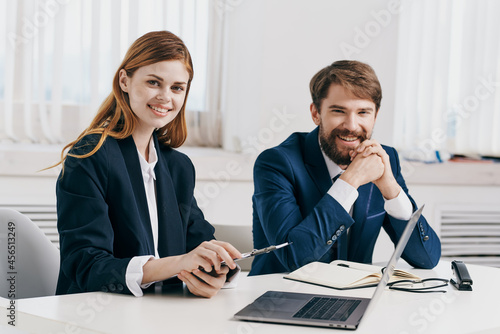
(448, 81)
(58, 58)
(205, 126)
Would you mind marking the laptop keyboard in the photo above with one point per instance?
(325, 308)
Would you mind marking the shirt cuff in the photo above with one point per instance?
(399, 207)
(134, 274)
(343, 193)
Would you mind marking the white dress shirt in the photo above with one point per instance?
(134, 273)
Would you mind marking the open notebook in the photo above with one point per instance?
(342, 275)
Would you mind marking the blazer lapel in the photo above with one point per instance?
(171, 234)
(134, 171)
(315, 162)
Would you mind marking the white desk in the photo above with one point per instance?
(179, 312)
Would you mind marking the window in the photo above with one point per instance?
(448, 84)
(60, 57)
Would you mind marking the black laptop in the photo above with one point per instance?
(322, 310)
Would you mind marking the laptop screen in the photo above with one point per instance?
(391, 265)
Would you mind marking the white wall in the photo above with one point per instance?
(276, 46)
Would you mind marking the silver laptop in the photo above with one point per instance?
(323, 310)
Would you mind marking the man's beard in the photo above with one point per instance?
(329, 146)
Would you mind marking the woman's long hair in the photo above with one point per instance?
(115, 118)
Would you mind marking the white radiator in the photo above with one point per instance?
(470, 233)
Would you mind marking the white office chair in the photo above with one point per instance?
(34, 269)
(238, 236)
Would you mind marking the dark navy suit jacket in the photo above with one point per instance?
(103, 217)
(291, 204)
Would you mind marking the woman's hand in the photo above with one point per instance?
(204, 284)
(200, 269)
(208, 255)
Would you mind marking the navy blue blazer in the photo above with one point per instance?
(291, 204)
(103, 217)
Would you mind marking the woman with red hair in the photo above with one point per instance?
(127, 217)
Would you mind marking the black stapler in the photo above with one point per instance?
(463, 281)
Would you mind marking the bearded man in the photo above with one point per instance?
(330, 192)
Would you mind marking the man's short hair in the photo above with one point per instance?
(357, 77)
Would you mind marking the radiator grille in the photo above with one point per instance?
(471, 234)
(44, 216)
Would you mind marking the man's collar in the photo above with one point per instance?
(333, 168)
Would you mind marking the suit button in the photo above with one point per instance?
(112, 287)
(119, 287)
(329, 242)
(426, 238)
(342, 228)
(334, 237)
(104, 288)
